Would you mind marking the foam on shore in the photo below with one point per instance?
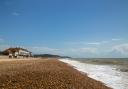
(104, 73)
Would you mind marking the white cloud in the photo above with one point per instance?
(84, 50)
(94, 43)
(74, 43)
(73, 52)
(87, 43)
(104, 42)
(15, 13)
(122, 48)
(97, 43)
(43, 50)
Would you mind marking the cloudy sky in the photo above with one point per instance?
(76, 28)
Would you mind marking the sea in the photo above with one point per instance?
(113, 72)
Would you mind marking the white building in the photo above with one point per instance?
(17, 52)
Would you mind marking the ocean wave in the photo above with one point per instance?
(104, 73)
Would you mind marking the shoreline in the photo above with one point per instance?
(44, 74)
(110, 75)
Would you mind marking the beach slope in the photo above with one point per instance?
(44, 74)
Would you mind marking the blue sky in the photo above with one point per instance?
(77, 28)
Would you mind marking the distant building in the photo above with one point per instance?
(17, 52)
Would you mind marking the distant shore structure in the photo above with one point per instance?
(17, 52)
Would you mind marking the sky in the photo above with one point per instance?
(76, 28)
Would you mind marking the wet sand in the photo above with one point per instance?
(43, 74)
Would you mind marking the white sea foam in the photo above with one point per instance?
(104, 73)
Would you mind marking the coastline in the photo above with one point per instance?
(44, 74)
(110, 73)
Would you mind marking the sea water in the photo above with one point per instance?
(113, 72)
